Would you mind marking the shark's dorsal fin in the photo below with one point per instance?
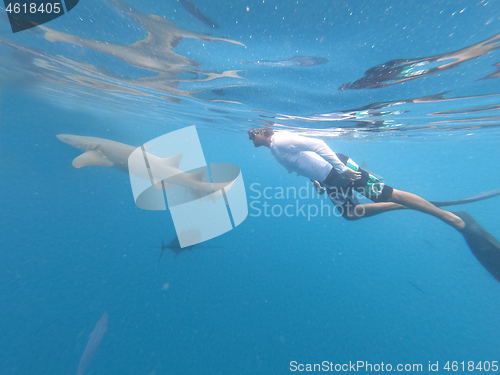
(173, 161)
(198, 176)
(92, 157)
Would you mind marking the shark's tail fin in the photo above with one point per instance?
(162, 249)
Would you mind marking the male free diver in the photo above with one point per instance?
(340, 177)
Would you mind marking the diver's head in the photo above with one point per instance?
(260, 136)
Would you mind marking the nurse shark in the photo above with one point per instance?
(107, 153)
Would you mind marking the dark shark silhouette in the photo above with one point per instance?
(174, 245)
(193, 235)
(195, 12)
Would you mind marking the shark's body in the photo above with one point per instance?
(106, 153)
(174, 245)
(99, 151)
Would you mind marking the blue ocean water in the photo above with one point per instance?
(399, 288)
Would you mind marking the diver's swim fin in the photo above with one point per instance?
(484, 246)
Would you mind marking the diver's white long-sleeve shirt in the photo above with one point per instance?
(308, 157)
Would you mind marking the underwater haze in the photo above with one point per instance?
(411, 88)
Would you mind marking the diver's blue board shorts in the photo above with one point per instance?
(368, 185)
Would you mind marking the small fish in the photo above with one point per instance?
(219, 92)
(416, 287)
(194, 11)
(496, 74)
(292, 61)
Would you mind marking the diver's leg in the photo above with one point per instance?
(372, 188)
(420, 204)
(349, 207)
(397, 200)
(360, 211)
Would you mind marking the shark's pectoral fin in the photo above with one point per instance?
(198, 176)
(92, 157)
(163, 185)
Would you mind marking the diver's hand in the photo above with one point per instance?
(352, 175)
(319, 189)
(348, 176)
